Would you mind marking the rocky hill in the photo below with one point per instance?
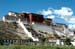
(8, 31)
(13, 31)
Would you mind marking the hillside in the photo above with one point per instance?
(12, 31)
(5, 32)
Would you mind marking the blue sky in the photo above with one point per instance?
(35, 6)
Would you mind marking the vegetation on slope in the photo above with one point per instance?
(4, 33)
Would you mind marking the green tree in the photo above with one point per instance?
(67, 41)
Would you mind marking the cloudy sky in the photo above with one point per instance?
(61, 11)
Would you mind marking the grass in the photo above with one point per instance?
(35, 47)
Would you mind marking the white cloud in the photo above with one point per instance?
(46, 12)
(72, 20)
(51, 16)
(64, 11)
(71, 26)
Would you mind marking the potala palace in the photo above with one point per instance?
(36, 27)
